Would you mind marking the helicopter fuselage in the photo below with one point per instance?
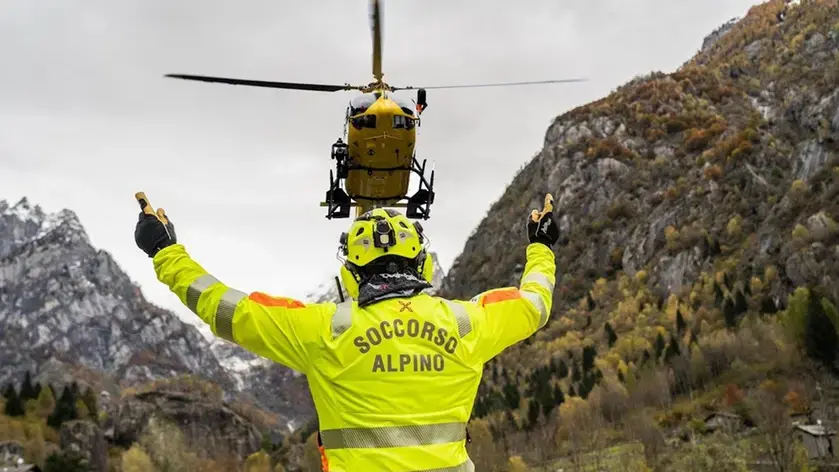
(381, 137)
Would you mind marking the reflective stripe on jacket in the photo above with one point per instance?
(394, 382)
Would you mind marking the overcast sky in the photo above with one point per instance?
(86, 118)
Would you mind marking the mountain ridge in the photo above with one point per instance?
(70, 304)
(698, 211)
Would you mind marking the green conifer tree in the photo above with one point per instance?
(729, 313)
(559, 397)
(512, 397)
(533, 410)
(589, 354)
(27, 391)
(65, 408)
(611, 336)
(563, 369)
(821, 340)
(659, 346)
(14, 404)
(681, 326)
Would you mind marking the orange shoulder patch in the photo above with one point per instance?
(268, 300)
(500, 296)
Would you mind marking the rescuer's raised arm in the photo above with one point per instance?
(280, 329)
(509, 315)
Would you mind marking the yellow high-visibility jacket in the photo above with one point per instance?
(393, 382)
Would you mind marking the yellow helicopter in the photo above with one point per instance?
(376, 156)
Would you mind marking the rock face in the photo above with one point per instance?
(62, 299)
(86, 439)
(210, 429)
(730, 163)
(718, 33)
(70, 313)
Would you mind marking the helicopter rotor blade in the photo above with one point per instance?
(376, 29)
(505, 84)
(262, 83)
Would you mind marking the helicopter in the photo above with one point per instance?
(376, 156)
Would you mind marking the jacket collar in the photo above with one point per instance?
(384, 286)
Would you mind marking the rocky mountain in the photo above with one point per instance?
(62, 299)
(700, 249)
(69, 312)
(731, 159)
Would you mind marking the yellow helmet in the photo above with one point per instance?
(382, 232)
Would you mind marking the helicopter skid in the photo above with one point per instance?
(418, 205)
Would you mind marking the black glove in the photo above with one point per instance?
(153, 231)
(544, 230)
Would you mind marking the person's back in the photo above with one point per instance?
(393, 372)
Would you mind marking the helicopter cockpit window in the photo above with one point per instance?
(406, 105)
(403, 122)
(361, 103)
(364, 121)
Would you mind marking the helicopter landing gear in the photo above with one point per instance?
(337, 201)
(419, 204)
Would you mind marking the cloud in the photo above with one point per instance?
(87, 118)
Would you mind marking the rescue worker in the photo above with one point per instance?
(393, 371)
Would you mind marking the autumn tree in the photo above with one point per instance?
(90, 401)
(258, 462)
(45, 403)
(35, 450)
(516, 464)
(772, 417)
(166, 445)
(482, 449)
(581, 427)
(641, 426)
(733, 395)
(136, 460)
(718, 453)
